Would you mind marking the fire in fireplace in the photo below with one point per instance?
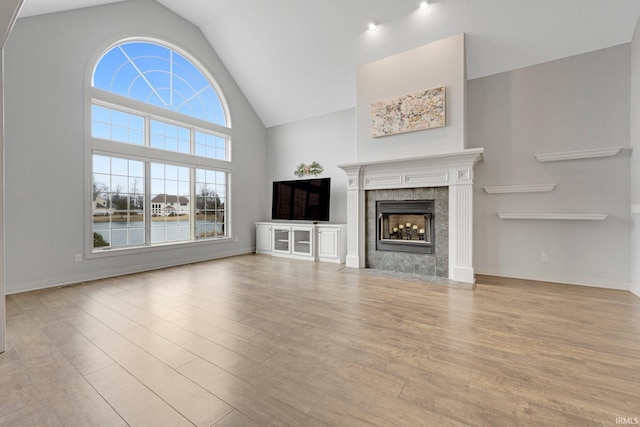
(406, 226)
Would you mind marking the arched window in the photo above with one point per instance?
(159, 76)
(160, 150)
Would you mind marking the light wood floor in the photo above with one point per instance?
(259, 341)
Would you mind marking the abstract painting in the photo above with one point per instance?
(417, 111)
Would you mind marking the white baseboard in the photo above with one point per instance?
(635, 289)
(569, 280)
(69, 280)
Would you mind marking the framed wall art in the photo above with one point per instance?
(408, 113)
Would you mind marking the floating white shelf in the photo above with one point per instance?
(579, 154)
(555, 216)
(527, 188)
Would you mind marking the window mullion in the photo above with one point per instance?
(192, 140)
(147, 183)
(194, 202)
(147, 130)
(147, 203)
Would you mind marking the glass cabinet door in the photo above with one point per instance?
(303, 241)
(281, 239)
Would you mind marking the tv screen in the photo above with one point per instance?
(303, 199)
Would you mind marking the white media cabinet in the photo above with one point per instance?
(312, 242)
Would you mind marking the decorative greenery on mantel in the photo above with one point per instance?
(314, 169)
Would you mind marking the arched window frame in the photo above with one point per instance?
(153, 156)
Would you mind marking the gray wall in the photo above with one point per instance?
(8, 12)
(441, 63)
(635, 161)
(47, 60)
(327, 139)
(571, 104)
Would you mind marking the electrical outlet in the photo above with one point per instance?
(544, 256)
(78, 257)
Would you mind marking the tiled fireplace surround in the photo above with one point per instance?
(404, 262)
(405, 179)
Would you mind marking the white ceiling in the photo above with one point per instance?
(295, 59)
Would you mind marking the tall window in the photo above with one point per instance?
(160, 150)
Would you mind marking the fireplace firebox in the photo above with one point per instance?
(406, 226)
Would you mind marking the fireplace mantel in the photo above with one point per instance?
(453, 170)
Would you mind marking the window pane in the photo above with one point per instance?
(170, 205)
(101, 164)
(136, 122)
(115, 125)
(157, 186)
(119, 166)
(101, 130)
(118, 118)
(136, 236)
(211, 146)
(170, 137)
(136, 169)
(210, 206)
(136, 137)
(118, 202)
(100, 114)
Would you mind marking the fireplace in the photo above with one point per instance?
(450, 176)
(406, 226)
(407, 252)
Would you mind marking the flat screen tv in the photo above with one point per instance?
(303, 199)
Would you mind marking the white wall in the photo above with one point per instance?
(327, 139)
(635, 161)
(46, 63)
(570, 104)
(437, 64)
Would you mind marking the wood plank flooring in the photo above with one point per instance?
(265, 341)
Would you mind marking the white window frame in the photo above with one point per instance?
(148, 155)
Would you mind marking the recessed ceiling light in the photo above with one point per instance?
(372, 25)
(424, 5)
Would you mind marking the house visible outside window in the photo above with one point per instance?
(159, 150)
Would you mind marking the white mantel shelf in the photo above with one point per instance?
(578, 154)
(555, 216)
(443, 169)
(473, 154)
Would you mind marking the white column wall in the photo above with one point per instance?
(8, 14)
(461, 233)
(355, 211)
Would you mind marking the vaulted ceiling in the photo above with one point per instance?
(295, 59)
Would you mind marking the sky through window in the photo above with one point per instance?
(159, 76)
